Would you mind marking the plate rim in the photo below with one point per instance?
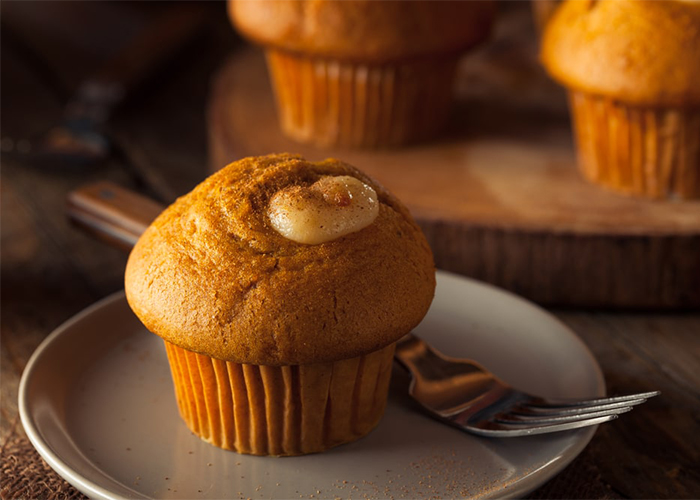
(525, 485)
(63, 469)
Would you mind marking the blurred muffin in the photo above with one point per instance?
(632, 69)
(280, 287)
(362, 73)
(542, 11)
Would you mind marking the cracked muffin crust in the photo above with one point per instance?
(211, 275)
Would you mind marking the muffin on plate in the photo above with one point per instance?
(280, 287)
(362, 73)
(632, 69)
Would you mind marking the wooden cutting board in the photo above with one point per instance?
(499, 196)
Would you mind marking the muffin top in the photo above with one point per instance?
(364, 30)
(215, 275)
(644, 52)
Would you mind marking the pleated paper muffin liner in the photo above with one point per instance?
(287, 410)
(334, 103)
(642, 151)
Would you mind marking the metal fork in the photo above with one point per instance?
(463, 393)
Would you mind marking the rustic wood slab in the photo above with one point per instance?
(499, 196)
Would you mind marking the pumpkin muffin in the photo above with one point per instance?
(280, 287)
(362, 73)
(632, 69)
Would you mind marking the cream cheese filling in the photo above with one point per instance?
(332, 207)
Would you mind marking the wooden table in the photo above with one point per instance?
(50, 271)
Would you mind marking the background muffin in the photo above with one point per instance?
(542, 11)
(362, 72)
(278, 347)
(632, 68)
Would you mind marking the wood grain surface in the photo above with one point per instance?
(499, 195)
(50, 271)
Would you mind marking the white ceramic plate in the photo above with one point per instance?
(97, 403)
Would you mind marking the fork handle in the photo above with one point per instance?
(447, 387)
(419, 358)
(411, 352)
(425, 363)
